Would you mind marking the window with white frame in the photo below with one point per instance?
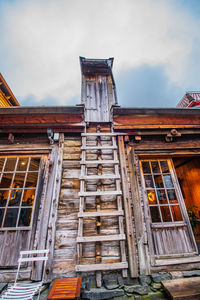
(18, 184)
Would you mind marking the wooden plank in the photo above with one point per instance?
(102, 134)
(133, 265)
(177, 261)
(98, 177)
(51, 236)
(101, 238)
(182, 288)
(99, 162)
(101, 267)
(137, 211)
(101, 214)
(98, 147)
(99, 193)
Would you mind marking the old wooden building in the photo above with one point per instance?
(105, 188)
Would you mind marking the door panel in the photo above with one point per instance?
(169, 223)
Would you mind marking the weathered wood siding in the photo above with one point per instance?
(68, 207)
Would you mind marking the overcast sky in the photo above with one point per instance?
(155, 45)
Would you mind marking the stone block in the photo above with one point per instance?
(192, 273)
(110, 282)
(145, 280)
(138, 289)
(158, 277)
(101, 293)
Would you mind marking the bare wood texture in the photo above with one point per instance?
(137, 212)
(182, 288)
(102, 267)
(128, 212)
(50, 244)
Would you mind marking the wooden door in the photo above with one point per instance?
(170, 232)
(20, 180)
(98, 104)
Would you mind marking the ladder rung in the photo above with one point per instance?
(102, 134)
(99, 193)
(98, 147)
(101, 238)
(100, 214)
(101, 267)
(100, 161)
(97, 177)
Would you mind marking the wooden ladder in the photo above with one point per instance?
(119, 213)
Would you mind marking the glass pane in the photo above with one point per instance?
(22, 164)
(155, 214)
(25, 217)
(148, 181)
(10, 164)
(172, 196)
(28, 198)
(1, 216)
(158, 181)
(164, 166)
(19, 180)
(31, 180)
(155, 167)
(34, 164)
(11, 217)
(3, 197)
(161, 196)
(165, 213)
(15, 197)
(6, 180)
(168, 181)
(151, 195)
(1, 163)
(176, 212)
(146, 167)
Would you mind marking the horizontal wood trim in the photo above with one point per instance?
(101, 267)
(97, 177)
(101, 238)
(100, 193)
(101, 214)
(99, 162)
(177, 261)
(102, 134)
(98, 147)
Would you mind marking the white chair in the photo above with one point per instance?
(26, 291)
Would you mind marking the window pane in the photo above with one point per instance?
(146, 167)
(148, 181)
(22, 164)
(11, 217)
(164, 166)
(168, 181)
(31, 180)
(158, 181)
(19, 180)
(34, 164)
(6, 180)
(155, 167)
(25, 217)
(28, 198)
(3, 197)
(1, 163)
(155, 214)
(151, 195)
(162, 196)
(10, 164)
(172, 196)
(1, 216)
(15, 197)
(176, 212)
(165, 213)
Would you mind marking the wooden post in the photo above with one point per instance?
(137, 212)
(133, 265)
(51, 235)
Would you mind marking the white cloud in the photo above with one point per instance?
(45, 38)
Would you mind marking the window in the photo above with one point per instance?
(161, 193)
(18, 184)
